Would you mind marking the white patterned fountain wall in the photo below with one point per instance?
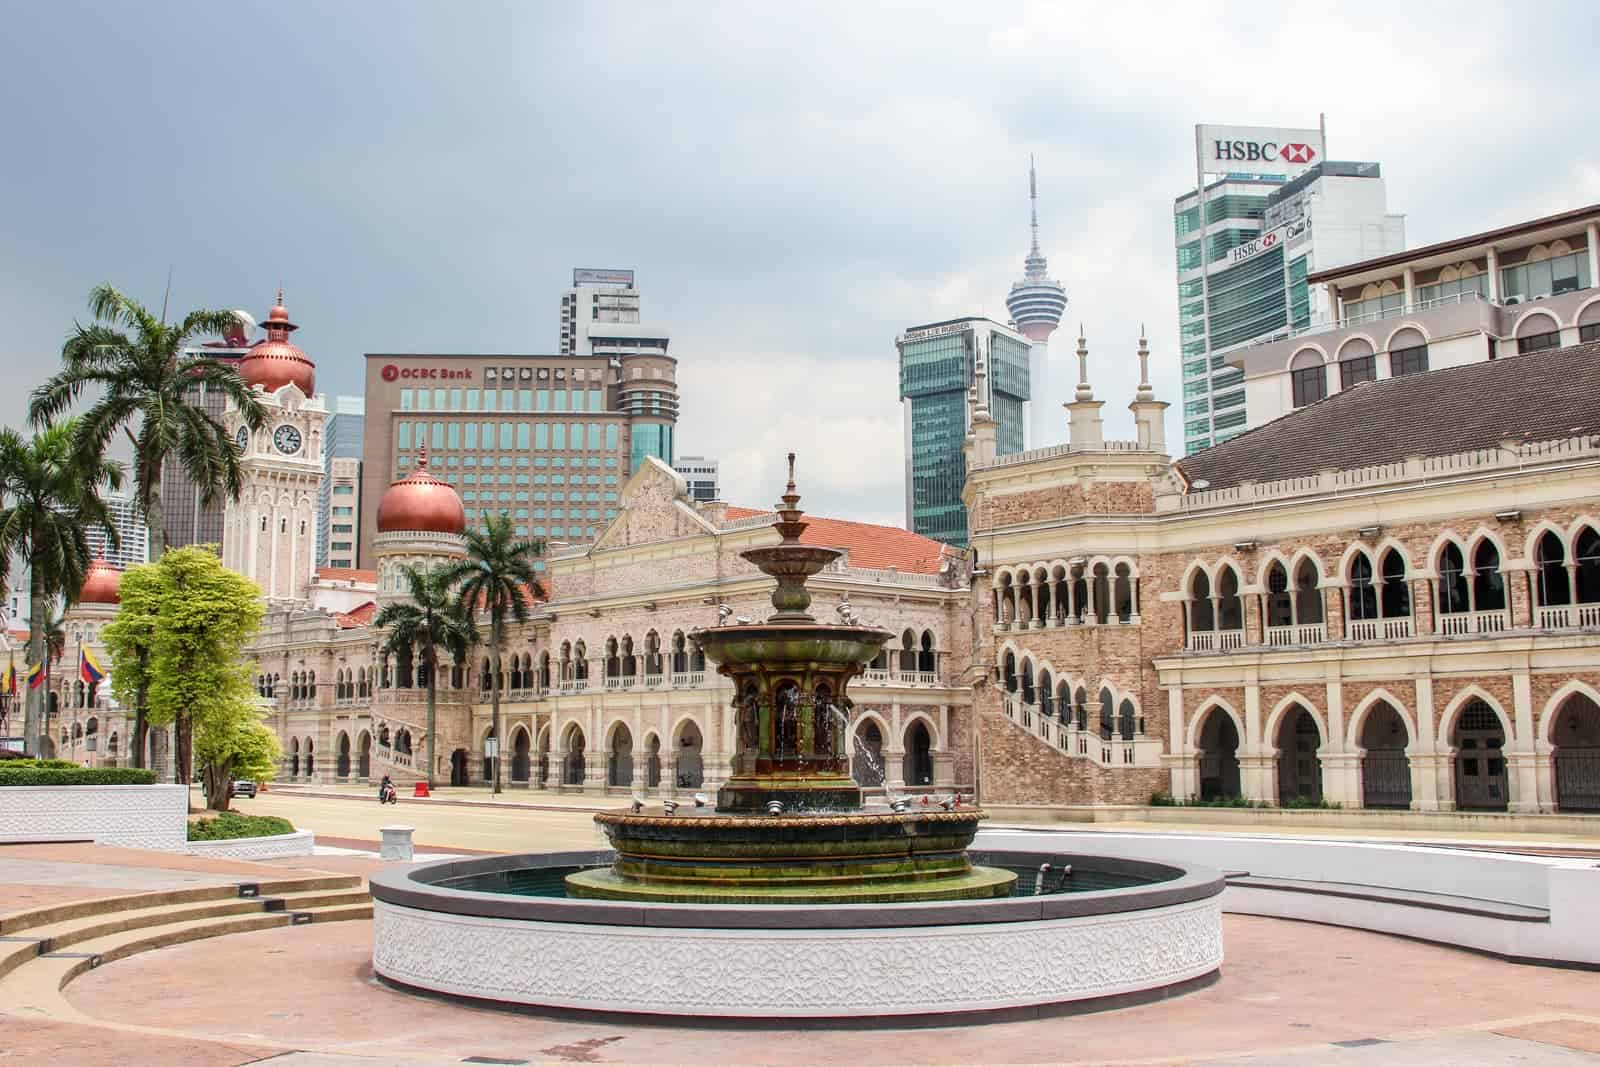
(798, 973)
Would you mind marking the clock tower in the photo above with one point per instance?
(271, 530)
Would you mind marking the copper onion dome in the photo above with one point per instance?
(102, 585)
(276, 362)
(421, 502)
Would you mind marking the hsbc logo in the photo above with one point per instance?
(1264, 151)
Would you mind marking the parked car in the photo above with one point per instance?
(242, 787)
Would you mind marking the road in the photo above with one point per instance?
(444, 826)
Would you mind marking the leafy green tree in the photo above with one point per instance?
(234, 742)
(148, 390)
(129, 638)
(497, 577)
(432, 618)
(49, 495)
(192, 618)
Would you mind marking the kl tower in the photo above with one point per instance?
(1036, 304)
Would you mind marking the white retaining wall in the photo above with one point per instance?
(1569, 888)
(299, 843)
(133, 816)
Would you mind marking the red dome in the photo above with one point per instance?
(276, 362)
(421, 502)
(102, 585)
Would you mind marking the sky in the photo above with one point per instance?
(794, 184)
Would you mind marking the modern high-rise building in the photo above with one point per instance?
(186, 518)
(1036, 305)
(548, 440)
(600, 317)
(132, 534)
(342, 516)
(938, 364)
(1275, 212)
(700, 472)
(345, 434)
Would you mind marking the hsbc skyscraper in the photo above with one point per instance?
(1275, 210)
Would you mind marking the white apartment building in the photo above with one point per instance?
(700, 473)
(600, 316)
(1504, 292)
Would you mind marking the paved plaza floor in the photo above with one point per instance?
(1289, 993)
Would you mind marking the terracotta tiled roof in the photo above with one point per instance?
(1541, 396)
(360, 615)
(347, 574)
(869, 545)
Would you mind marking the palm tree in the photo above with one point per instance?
(143, 380)
(429, 620)
(498, 577)
(49, 496)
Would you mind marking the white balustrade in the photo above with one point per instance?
(1311, 633)
(1216, 641)
(1458, 623)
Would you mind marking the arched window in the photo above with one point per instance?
(1028, 693)
(1279, 601)
(652, 654)
(1554, 586)
(926, 658)
(1080, 708)
(1122, 590)
(1395, 600)
(1107, 715)
(1357, 363)
(580, 661)
(1080, 592)
(1127, 720)
(613, 664)
(1230, 605)
(1586, 562)
(1008, 672)
(1454, 595)
(680, 653)
(1102, 592)
(908, 652)
(1307, 597)
(1308, 378)
(1488, 584)
(630, 662)
(1045, 692)
(1363, 593)
(1202, 618)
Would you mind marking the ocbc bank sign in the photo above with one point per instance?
(392, 373)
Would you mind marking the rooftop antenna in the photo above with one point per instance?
(166, 295)
(1033, 202)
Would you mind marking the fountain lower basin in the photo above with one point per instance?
(935, 961)
(856, 857)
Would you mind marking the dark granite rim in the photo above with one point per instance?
(417, 887)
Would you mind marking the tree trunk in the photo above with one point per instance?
(155, 515)
(183, 749)
(141, 726)
(34, 723)
(218, 780)
(494, 699)
(433, 681)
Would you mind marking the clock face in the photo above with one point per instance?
(242, 438)
(286, 439)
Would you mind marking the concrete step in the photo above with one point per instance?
(17, 949)
(55, 913)
(35, 985)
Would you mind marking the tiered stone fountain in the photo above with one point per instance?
(789, 825)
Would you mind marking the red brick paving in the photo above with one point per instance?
(1284, 985)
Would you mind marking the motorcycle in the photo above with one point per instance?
(388, 795)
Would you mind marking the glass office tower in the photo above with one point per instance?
(938, 363)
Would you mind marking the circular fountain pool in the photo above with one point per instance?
(503, 929)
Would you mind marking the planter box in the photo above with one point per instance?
(299, 843)
(132, 816)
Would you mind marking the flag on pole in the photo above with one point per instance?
(35, 676)
(8, 680)
(89, 668)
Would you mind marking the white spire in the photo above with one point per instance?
(1033, 203)
(1084, 391)
(1145, 390)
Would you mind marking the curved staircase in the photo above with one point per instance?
(44, 949)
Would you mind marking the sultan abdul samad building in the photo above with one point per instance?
(1389, 598)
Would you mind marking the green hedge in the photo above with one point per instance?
(231, 824)
(34, 775)
(38, 764)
